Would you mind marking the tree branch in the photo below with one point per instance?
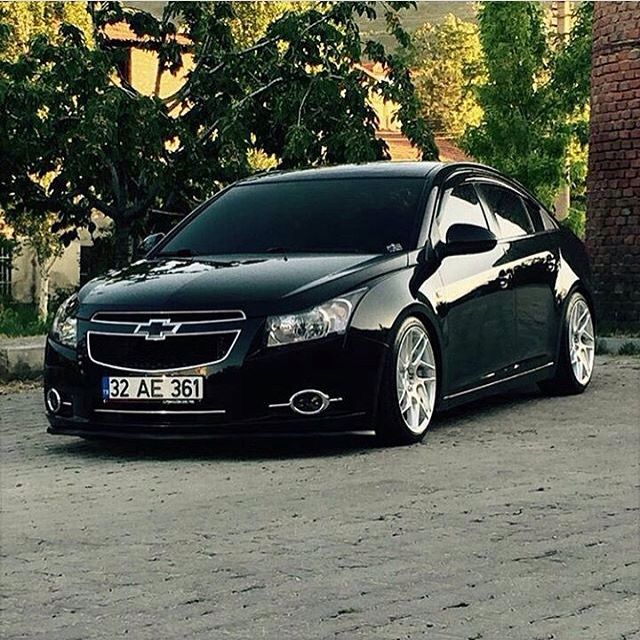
(304, 99)
(174, 99)
(234, 107)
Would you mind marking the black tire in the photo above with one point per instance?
(564, 381)
(390, 428)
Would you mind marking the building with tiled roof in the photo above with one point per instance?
(141, 66)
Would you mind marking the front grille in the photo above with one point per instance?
(174, 352)
(140, 317)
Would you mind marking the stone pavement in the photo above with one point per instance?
(516, 518)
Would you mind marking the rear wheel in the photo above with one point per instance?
(577, 350)
(409, 388)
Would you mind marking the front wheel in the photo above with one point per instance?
(577, 350)
(408, 395)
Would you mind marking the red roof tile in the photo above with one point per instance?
(122, 32)
(401, 149)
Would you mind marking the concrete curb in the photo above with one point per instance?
(618, 345)
(23, 358)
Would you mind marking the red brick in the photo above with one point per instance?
(613, 180)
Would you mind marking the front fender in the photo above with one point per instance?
(388, 303)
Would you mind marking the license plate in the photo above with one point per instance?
(176, 388)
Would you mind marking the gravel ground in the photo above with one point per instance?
(516, 518)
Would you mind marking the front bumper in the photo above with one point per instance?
(246, 393)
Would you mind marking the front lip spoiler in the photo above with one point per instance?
(168, 437)
(352, 422)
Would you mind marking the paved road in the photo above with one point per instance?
(517, 518)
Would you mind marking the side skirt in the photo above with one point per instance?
(513, 381)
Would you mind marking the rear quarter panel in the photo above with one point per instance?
(575, 269)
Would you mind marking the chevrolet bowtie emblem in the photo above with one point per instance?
(157, 329)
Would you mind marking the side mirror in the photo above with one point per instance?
(148, 243)
(469, 238)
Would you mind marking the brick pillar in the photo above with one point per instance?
(613, 179)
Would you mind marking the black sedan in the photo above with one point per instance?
(356, 297)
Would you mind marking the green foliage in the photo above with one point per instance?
(39, 236)
(533, 103)
(295, 94)
(20, 320)
(20, 24)
(58, 297)
(252, 19)
(21, 21)
(100, 259)
(412, 19)
(576, 221)
(571, 65)
(446, 62)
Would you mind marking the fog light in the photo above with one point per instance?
(53, 400)
(309, 402)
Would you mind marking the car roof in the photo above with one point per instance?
(368, 170)
(437, 172)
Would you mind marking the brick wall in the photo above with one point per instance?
(613, 180)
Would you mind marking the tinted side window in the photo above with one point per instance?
(535, 213)
(508, 209)
(548, 221)
(460, 205)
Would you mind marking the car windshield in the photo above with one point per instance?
(365, 215)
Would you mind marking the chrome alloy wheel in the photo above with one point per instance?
(581, 341)
(416, 379)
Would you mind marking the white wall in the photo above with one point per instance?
(65, 272)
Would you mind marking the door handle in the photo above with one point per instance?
(552, 264)
(504, 278)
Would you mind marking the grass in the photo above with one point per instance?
(18, 319)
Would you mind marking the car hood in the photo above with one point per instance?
(256, 284)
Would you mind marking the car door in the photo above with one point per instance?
(476, 307)
(531, 263)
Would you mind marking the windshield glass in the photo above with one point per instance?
(365, 215)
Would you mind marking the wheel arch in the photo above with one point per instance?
(577, 287)
(429, 319)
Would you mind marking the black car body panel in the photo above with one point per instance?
(260, 285)
(494, 317)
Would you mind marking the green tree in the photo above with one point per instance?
(295, 94)
(46, 247)
(252, 19)
(533, 102)
(446, 63)
(24, 20)
(20, 22)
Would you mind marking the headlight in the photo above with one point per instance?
(328, 318)
(64, 328)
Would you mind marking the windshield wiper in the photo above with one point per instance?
(286, 250)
